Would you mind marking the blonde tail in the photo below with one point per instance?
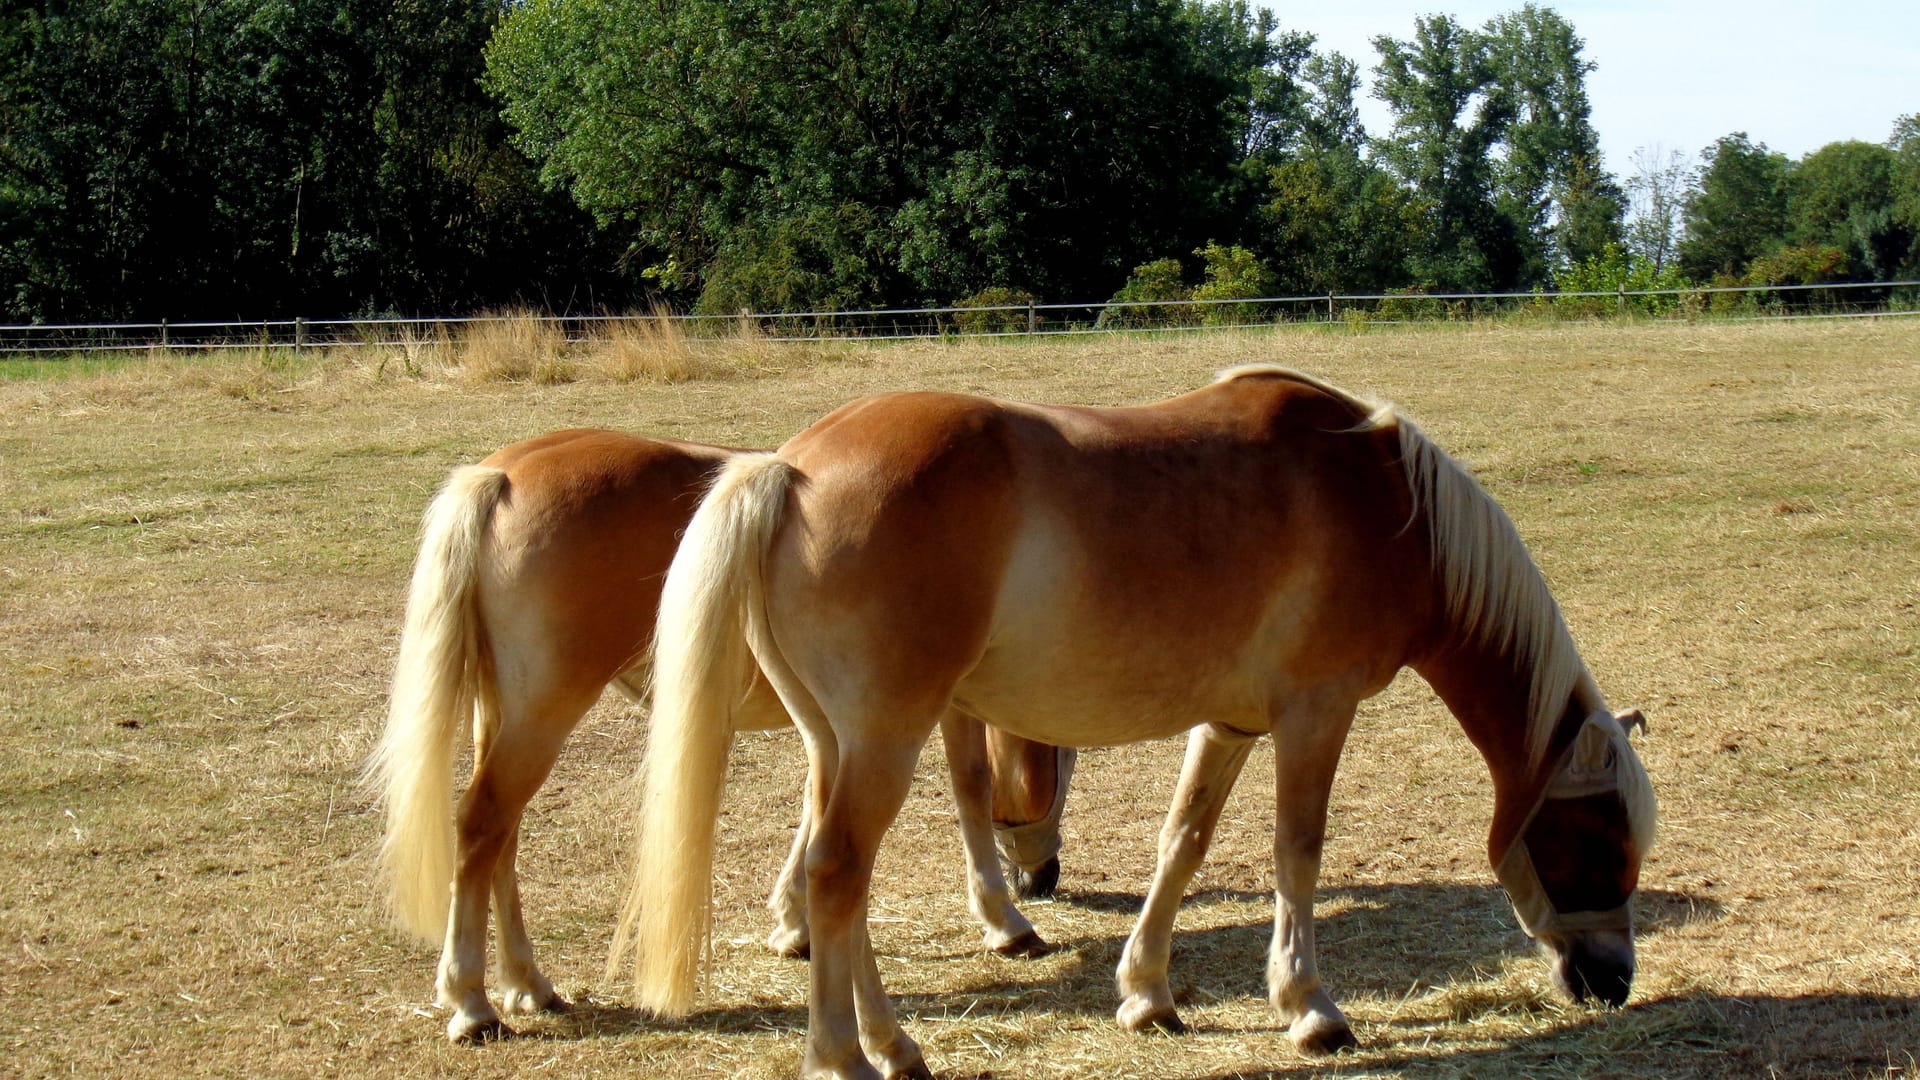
(702, 669)
(437, 684)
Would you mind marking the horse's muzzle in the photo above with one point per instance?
(1594, 964)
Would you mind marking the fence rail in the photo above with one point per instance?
(1002, 320)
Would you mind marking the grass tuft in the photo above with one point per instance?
(514, 347)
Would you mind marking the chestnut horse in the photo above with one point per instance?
(1255, 557)
(536, 585)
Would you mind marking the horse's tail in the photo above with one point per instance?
(439, 692)
(702, 669)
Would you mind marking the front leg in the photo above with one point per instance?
(1307, 749)
(1214, 758)
(1005, 930)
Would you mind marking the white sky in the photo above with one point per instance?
(1677, 76)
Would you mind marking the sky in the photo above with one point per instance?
(1677, 76)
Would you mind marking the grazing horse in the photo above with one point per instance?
(1255, 557)
(535, 588)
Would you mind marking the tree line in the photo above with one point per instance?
(261, 158)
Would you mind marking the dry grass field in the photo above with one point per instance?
(201, 574)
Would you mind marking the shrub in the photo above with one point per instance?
(1005, 311)
(1155, 295)
(1232, 273)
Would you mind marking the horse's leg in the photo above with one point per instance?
(847, 1006)
(1007, 931)
(512, 759)
(524, 988)
(1307, 750)
(788, 901)
(762, 711)
(1029, 792)
(1214, 758)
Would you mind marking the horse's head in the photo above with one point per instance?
(1572, 870)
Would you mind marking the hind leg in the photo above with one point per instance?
(847, 1010)
(788, 901)
(523, 987)
(512, 759)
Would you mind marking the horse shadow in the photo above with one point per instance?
(1384, 939)
(1372, 938)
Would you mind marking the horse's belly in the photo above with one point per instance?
(1070, 699)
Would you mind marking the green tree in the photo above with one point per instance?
(703, 129)
(1906, 189)
(1448, 116)
(1739, 211)
(185, 158)
(1549, 177)
(1843, 197)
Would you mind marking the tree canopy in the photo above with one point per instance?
(261, 158)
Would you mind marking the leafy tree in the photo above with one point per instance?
(185, 158)
(1549, 178)
(1739, 211)
(1842, 197)
(1160, 282)
(1656, 193)
(1906, 184)
(1614, 269)
(1105, 131)
(1448, 117)
(1231, 273)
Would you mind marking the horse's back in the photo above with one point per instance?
(1094, 575)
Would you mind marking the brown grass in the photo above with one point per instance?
(201, 572)
(515, 347)
(645, 349)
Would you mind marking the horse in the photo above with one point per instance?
(535, 588)
(1253, 557)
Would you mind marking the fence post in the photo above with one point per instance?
(163, 333)
(1033, 319)
(1329, 305)
(299, 332)
(1621, 310)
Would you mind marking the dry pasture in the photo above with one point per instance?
(201, 573)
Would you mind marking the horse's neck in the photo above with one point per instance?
(1482, 688)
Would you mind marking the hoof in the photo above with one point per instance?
(1317, 1037)
(468, 1032)
(1027, 946)
(1145, 1018)
(916, 1071)
(790, 944)
(1037, 884)
(529, 1002)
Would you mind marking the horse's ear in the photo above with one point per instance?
(1592, 753)
(1632, 718)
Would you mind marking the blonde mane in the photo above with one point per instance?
(1493, 591)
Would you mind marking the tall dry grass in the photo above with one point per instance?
(515, 346)
(642, 348)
